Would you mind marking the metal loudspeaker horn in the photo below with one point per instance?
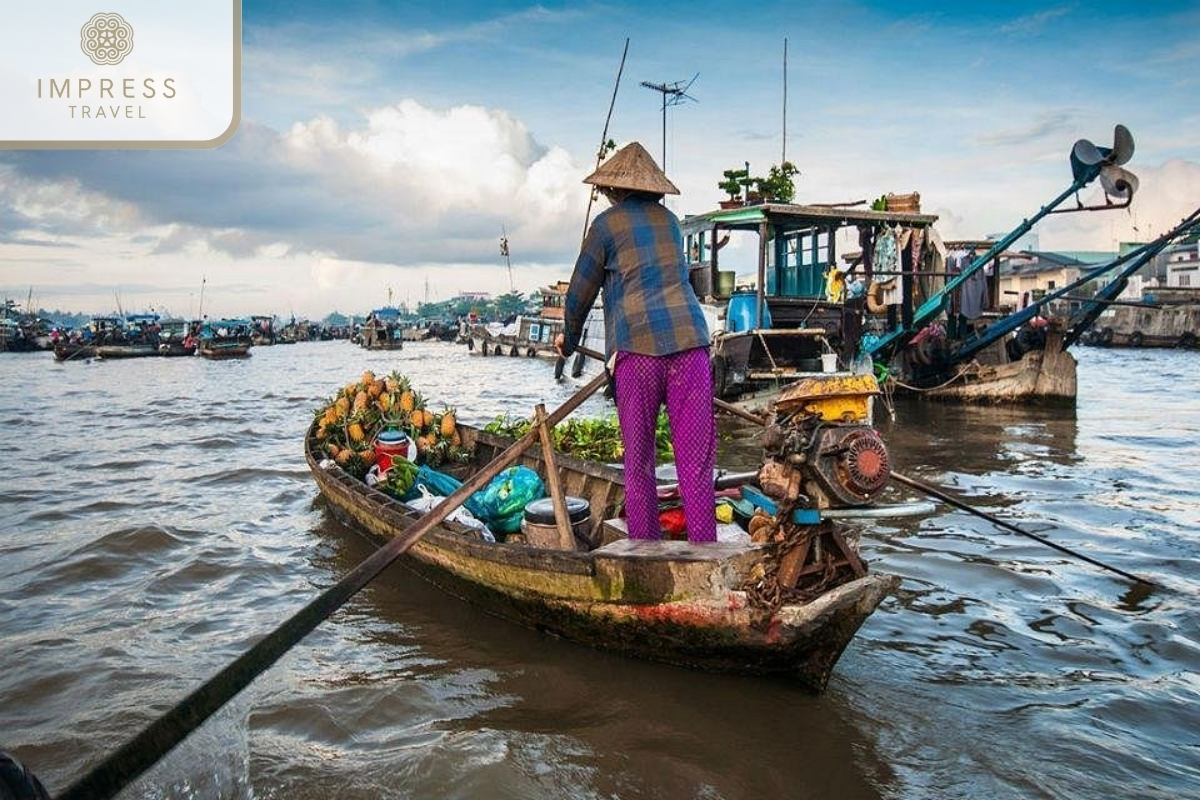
(1089, 162)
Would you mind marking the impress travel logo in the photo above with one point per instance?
(72, 77)
(107, 39)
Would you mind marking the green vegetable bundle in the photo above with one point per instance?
(399, 479)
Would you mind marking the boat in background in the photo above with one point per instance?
(136, 336)
(178, 337)
(788, 326)
(924, 317)
(81, 343)
(23, 331)
(1167, 316)
(262, 330)
(109, 336)
(526, 335)
(382, 330)
(226, 338)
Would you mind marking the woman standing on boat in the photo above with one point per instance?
(655, 335)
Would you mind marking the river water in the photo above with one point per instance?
(158, 519)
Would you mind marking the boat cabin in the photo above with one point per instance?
(804, 303)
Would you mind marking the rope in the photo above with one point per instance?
(966, 371)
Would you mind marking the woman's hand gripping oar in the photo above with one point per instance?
(121, 768)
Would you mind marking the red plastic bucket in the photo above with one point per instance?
(391, 443)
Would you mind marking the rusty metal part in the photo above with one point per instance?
(804, 562)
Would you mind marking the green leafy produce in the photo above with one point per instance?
(400, 477)
(595, 439)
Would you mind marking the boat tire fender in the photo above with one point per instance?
(1187, 339)
(1135, 339)
(720, 372)
(1106, 336)
(470, 343)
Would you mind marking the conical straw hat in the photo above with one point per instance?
(632, 167)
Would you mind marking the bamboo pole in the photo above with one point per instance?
(566, 536)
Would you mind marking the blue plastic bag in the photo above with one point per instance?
(502, 502)
(444, 485)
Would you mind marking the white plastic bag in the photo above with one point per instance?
(462, 516)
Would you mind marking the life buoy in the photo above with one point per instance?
(875, 291)
(1135, 339)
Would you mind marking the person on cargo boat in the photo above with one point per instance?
(655, 336)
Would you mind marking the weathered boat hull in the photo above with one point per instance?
(111, 351)
(68, 352)
(665, 601)
(175, 349)
(222, 350)
(1041, 376)
(512, 346)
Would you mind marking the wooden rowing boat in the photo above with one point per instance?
(667, 601)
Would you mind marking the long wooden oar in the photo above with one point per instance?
(940, 495)
(934, 492)
(121, 768)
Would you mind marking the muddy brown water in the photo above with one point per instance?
(159, 519)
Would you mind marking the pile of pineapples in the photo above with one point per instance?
(349, 422)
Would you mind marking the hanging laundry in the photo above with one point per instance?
(866, 240)
(887, 253)
(973, 293)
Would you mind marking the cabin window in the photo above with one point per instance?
(799, 264)
(535, 332)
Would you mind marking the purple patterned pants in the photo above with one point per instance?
(683, 381)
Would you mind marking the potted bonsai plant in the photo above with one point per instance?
(734, 183)
(778, 184)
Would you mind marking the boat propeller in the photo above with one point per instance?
(1089, 161)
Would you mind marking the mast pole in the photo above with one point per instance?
(783, 154)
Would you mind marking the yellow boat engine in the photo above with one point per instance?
(821, 450)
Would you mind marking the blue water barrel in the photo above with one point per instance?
(742, 313)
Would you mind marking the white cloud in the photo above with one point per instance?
(332, 214)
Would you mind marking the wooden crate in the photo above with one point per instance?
(907, 203)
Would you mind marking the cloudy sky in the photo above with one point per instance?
(385, 147)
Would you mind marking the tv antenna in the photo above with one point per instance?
(672, 95)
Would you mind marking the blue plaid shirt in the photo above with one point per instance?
(634, 251)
